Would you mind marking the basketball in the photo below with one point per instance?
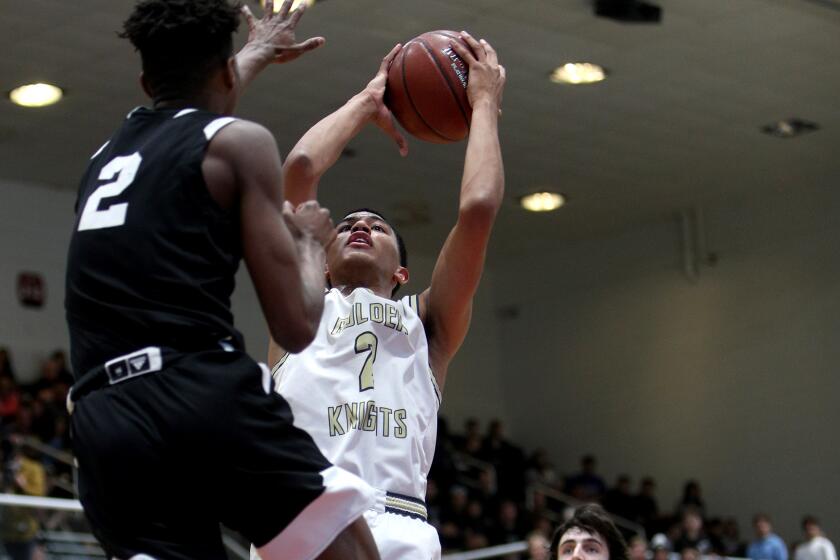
(427, 88)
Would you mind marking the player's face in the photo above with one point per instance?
(364, 238)
(577, 544)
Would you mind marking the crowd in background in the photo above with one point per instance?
(483, 490)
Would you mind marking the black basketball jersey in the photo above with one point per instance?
(152, 258)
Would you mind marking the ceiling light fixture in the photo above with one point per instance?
(577, 73)
(790, 128)
(542, 201)
(295, 4)
(36, 95)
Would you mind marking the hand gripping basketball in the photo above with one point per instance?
(487, 76)
(375, 90)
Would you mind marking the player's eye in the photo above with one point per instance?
(377, 227)
(342, 228)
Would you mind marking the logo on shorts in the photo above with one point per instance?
(131, 365)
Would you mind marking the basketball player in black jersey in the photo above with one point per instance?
(175, 428)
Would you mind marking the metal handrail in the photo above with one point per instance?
(552, 492)
(489, 552)
(52, 452)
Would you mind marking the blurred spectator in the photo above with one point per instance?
(443, 468)
(470, 442)
(509, 526)
(732, 543)
(55, 379)
(486, 492)
(586, 485)
(19, 527)
(714, 532)
(692, 536)
(661, 547)
(590, 534)
(767, 545)
(433, 507)
(690, 554)
(637, 548)
(692, 498)
(647, 509)
(507, 459)
(477, 519)
(6, 369)
(9, 399)
(815, 546)
(619, 501)
(453, 519)
(537, 547)
(540, 470)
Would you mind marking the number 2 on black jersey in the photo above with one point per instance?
(125, 167)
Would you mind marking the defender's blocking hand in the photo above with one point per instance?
(309, 219)
(273, 36)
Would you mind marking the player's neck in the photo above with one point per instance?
(206, 101)
(347, 288)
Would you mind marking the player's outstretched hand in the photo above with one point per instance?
(380, 114)
(487, 76)
(309, 219)
(274, 34)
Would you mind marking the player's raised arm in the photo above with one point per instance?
(446, 305)
(322, 144)
(271, 39)
(287, 267)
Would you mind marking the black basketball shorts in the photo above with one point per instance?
(166, 456)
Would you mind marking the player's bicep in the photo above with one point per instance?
(446, 306)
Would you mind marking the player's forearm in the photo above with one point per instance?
(313, 279)
(483, 183)
(250, 61)
(321, 146)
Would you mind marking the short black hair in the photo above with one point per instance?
(400, 243)
(181, 41)
(809, 520)
(592, 518)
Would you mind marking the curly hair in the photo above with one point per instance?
(593, 519)
(181, 41)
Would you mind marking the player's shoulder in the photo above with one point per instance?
(241, 133)
(242, 141)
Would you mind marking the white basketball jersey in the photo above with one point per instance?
(365, 392)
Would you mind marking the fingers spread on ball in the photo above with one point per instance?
(464, 53)
(477, 47)
(389, 58)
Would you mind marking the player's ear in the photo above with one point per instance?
(144, 83)
(401, 275)
(231, 76)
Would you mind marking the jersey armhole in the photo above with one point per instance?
(275, 370)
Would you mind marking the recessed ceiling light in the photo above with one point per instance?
(295, 3)
(542, 201)
(789, 128)
(36, 95)
(578, 73)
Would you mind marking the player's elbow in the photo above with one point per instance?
(294, 337)
(480, 210)
(299, 165)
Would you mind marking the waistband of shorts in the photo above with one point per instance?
(406, 505)
(117, 370)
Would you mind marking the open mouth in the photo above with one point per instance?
(359, 239)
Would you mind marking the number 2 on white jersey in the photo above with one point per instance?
(366, 342)
(125, 167)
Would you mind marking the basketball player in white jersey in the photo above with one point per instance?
(368, 388)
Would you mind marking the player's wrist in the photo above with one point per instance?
(364, 104)
(486, 103)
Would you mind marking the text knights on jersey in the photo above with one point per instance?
(368, 417)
